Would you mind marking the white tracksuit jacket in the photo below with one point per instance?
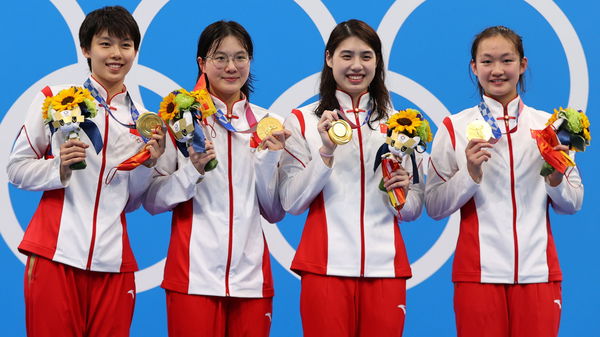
(351, 229)
(217, 246)
(505, 234)
(81, 223)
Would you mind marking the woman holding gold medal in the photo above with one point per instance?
(217, 275)
(485, 163)
(351, 255)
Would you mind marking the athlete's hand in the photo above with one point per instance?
(327, 118)
(156, 146)
(276, 140)
(555, 178)
(326, 151)
(200, 159)
(476, 156)
(71, 152)
(398, 178)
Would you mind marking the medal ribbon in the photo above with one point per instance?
(352, 125)
(138, 158)
(132, 109)
(222, 119)
(488, 118)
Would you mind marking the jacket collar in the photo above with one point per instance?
(118, 97)
(345, 101)
(497, 109)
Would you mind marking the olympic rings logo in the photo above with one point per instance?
(303, 90)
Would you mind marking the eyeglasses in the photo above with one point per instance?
(220, 61)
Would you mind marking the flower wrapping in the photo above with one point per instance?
(568, 127)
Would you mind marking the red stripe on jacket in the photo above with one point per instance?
(128, 262)
(448, 123)
(41, 235)
(554, 273)
(311, 255)
(266, 271)
(401, 263)
(177, 269)
(467, 259)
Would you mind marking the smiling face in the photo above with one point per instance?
(353, 65)
(498, 67)
(111, 59)
(227, 68)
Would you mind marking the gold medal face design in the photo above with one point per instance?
(340, 132)
(146, 123)
(266, 126)
(479, 129)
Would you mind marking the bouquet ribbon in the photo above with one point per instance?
(129, 164)
(546, 141)
(396, 195)
(198, 140)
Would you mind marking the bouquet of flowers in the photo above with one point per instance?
(568, 127)
(407, 132)
(182, 111)
(66, 110)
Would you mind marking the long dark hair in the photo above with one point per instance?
(379, 94)
(506, 33)
(211, 39)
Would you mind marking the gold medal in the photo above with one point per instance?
(266, 126)
(146, 123)
(479, 129)
(340, 132)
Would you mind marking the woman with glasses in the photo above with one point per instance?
(217, 274)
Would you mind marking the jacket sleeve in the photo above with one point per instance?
(301, 178)
(414, 198)
(449, 186)
(174, 181)
(139, 180)
(567, 197)
(267, 184)
(28, 168)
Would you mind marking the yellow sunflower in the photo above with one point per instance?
(67, 99)
(587, 135)
(554, 117)
(86, 94)
(405, 121)
(46, 107)
(168, 108)
(585, 122)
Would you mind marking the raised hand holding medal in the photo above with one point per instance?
(271, 134)
(479, 135)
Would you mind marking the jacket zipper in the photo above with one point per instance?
(98, 191)
(513, 196)
(362, 198)
(229, 248)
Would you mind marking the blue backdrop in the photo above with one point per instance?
(426, 49)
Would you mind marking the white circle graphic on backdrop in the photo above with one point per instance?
(399, 11)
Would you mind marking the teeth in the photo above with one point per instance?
(355, 77)
(114, 66)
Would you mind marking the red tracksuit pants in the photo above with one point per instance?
(65, 301)
(352, 306)
(507, 310)
(214, 316)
